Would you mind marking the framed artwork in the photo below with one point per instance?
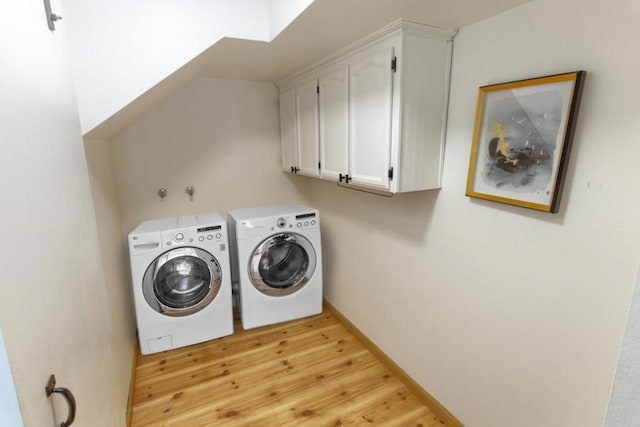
(522, 140)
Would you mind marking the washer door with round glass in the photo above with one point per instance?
(282, 264)
(182, 281)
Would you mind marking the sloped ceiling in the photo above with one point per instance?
(322, 28)
(328, 25)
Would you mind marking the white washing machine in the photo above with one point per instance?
(181, 281)
(276, 263)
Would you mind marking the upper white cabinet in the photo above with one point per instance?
(299, 128)
(307, 136)
(372, 115)
(288, 130)
(333, 107)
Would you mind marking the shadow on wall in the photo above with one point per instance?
(405, 215)
(113, 249)
(303, 186)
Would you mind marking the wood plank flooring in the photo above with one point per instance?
(307, 372)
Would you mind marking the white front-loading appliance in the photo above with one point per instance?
(276, 263)
(181, 281)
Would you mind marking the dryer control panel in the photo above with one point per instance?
(306, 220)
(259, 226)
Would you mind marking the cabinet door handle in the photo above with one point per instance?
(71, 401)
(347, 179)
(340, 177)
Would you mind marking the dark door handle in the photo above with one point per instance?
(340, 178)
(347, 179)
(71, 401)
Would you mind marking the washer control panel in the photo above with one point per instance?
(189, 236)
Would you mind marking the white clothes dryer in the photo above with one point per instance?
(276, 263)
(181, 281)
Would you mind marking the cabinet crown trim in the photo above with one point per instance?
(400, 25)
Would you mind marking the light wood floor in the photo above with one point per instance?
(308, 372)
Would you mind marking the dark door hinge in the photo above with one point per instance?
(394, 63)
(391, 173)
(318, 89)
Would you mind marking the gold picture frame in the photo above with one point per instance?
(522, 140)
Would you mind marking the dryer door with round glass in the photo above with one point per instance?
(282, 264)
(182, 281)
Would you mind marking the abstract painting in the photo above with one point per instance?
(522, 139)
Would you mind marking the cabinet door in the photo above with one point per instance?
(288, 130)
(370, 109)
(333, 104)
(307, 118)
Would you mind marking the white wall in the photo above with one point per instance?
(220, 136)
(508, 316)
(113, 255)
(624, 405)
(282, 12)
(450, 294)
(122, 49)
(54, 307)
